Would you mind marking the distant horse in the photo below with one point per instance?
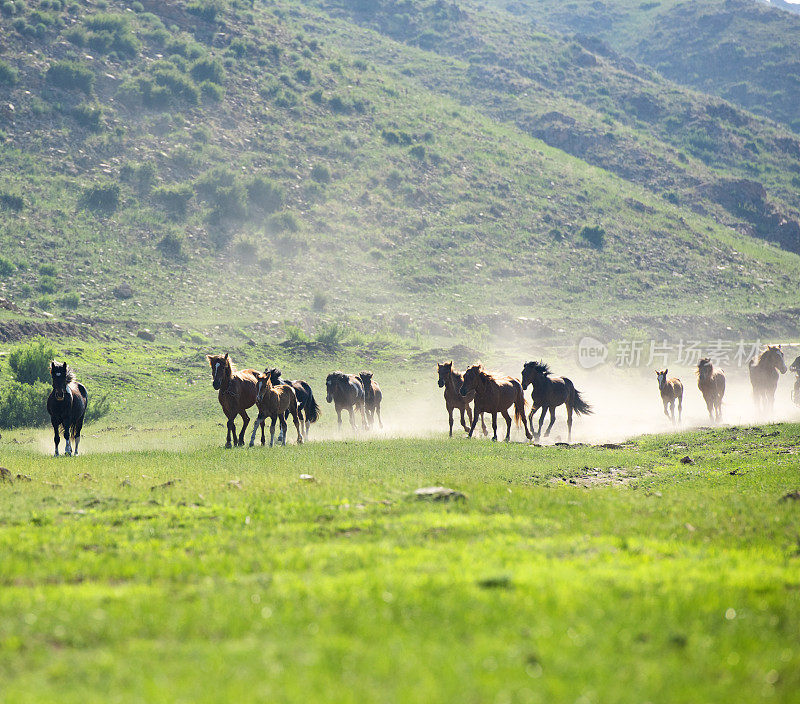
(346, 392)
(764, 374)
(711, 383)
(671, 391)
(494, 393)
(307, 407)
(796, 390)
(372, 398)
(66, 405)
(275, 402)
(237, 393)
(549, 392)
(450, 380)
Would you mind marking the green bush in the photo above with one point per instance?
(179, 85)
(330, 334)
(211, 92)
(174, 199)
(183, 46)
(206, 9)
(24, 405)
(48, 269)
(320, 173)
(102, 197)
(171, 245)
(283, 222)
(30, 362)
(221, 189)
(595, 235)
(296, 334)
(70, 300)
(48, 284)
(76, 36)
(6, 266)
(9, 201)
(264, 194)
(70, 75)
(8, 74)
(207, 69)
(88, 116)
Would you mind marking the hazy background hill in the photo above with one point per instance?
(427, 167)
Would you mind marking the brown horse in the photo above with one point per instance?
(372, 398)
(549, 392)
(711, 383)
(237, 393)
(346, 392)
(66, 405)
(450, 380)
(275, 401)
(764, 375)
(494, 393)
(671, 391)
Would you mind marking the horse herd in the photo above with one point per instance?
(474, 393)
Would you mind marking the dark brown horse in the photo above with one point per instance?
(307, 406)
(237, 393)
(450, 380)
(671, 390)
(548, 393)
(346, 392)
(66, 405)
(711, 383)
(494, 393)
(764, 374)
(372, 398)
(275, 402)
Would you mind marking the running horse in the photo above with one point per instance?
(346, 392)
(494, 393)
(307, 407)
(671, 390)
(711, 383)
(66, 405)
(237, 392)
(764, 375)
(450, 380)
(275, 401)
(549, 392)
(372, 398)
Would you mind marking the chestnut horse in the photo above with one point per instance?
(764, 377)
(494, 393)
(66, 405)
(450, 380)
(307, 406)
(237, 393)
(346, 391)
(671, 391)
(711, 383)
(549, 392)
(372, 398)
(275, 402)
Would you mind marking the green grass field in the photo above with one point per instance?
(567, 574)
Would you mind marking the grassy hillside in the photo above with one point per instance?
(207, 162)
(741, 50)
(208, 575)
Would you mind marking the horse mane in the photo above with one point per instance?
(704, 363)
(336, 376)
(69, 373)
(274, 375)
(365, 375)
(766, 351)
(540, 367)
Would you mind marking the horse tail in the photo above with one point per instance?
(311, 406)
(578, 404)
(519, 404)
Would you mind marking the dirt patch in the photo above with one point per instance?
(595, 476)
(16, 330)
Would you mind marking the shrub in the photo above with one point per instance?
(206, 69)
(88, 116)
(330, 334)
(70, 300)
(30, 362)
(296, 334)
(174, 199)
(264, 194)
(180, 86)
(7, 8)
(595, 235)
(48, 269)
(23, 405)
(171, 245)
(6, 266)
(320, 173)
(418, 152)
(76, 36)
(316, 96)
(9, 201)
(320, 301)
(48, 284)
(221, 189)
(245, 249)
(102, 197)
(303, 75)
(44, 302)
(70, 75)
(283, 222)
(8, 74)
(184, 47)
(206, 9)
(211, 92)
(141, 176)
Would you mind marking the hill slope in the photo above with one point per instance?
(204, 162)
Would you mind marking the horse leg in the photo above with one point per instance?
(483, 425)
(508, 424)
(282, 418)
(468, 409)
(569, 422)
(297, 418)
(380, 420)
(552, 421)
(680, 409)
(339, 417)
(282, 438)
(450, 418)
(56, 437)
(259, 422)
(473, 423)
(272, 430)
(541, 422)
(231, 433)
(363, 418)
(353, 418)
(245, 421)
(666, 403)
(494, 426)
(78, 428)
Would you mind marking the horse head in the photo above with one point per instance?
(62, 375)
(274, 375)
(704, 368)
(445, 370)
(263, 384)
(366, 382)
(775, 355)
(532, 370)
(331, 382)
(662, 377)
(220, 368)
(471, 377)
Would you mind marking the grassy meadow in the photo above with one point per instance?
(565, 574)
